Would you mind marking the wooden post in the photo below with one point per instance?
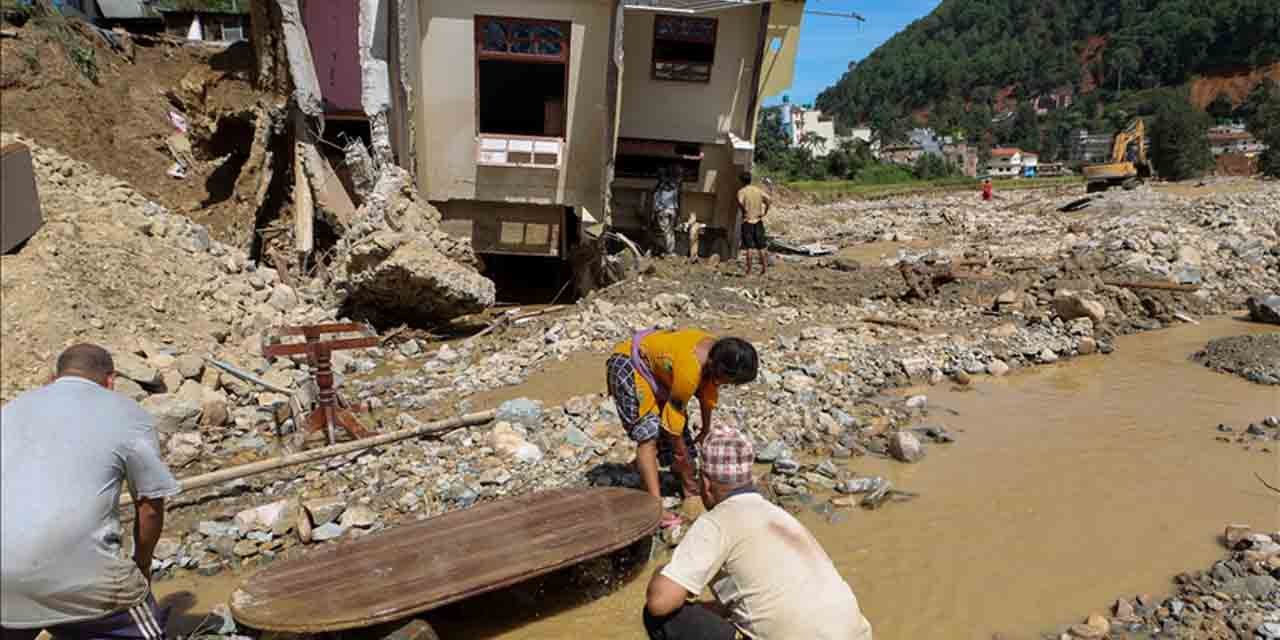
(304, 211)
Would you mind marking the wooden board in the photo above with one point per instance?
(425, 565)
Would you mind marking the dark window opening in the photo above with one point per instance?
(521, 75)
(684, 48)
(645, 158)
(522, 98)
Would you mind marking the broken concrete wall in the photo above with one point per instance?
(402, 48)
(395, 265)
(375, 76)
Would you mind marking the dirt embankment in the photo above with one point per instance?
(1235, 83)
(65, 87)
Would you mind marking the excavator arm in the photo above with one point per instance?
(1124, 168)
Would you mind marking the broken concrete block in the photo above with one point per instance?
(325, 510)
(1264, 309)
(129, 388)
(403, 277)
(191, 367)
(905, 447)
(172, 413)
(136, 369)
(266, 517)
(1070, 305)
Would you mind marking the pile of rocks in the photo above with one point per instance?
(1253, 357)
(1239, 597)
(109, 266)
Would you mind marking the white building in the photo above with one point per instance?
(1006, 162)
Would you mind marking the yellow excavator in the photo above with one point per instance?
(1128, 163)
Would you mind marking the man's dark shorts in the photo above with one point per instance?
(753, 235)
(143, 621)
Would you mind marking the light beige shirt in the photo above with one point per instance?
(754, 202)
(769, 571)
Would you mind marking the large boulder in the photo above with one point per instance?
(1265, 309)
(136, 369)
(394, 277)
(172, 412)
(905, 447)
(1070, 305)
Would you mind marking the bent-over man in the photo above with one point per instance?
(65, 451)
(771, 578)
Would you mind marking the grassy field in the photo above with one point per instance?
(832, 190)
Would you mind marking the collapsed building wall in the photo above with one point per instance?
(388, 261)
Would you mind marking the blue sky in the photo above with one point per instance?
(828, 44)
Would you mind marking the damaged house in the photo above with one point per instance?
(527, 122)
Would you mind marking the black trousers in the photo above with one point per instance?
(690, 622)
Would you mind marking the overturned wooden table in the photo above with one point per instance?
(418, 567)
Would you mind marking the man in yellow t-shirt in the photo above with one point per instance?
(653, 376)
(754, 203)
(770, 577)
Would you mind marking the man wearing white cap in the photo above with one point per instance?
(771, 578)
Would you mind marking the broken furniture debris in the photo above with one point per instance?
(331, 410)
(425, 565)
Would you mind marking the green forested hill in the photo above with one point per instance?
(966, 51)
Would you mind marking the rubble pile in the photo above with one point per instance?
(113, 268)
(395, 264)
(1227, 244)
(1239, 597)
(1255, 358)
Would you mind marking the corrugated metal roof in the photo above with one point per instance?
(126, 9)
(689, 6)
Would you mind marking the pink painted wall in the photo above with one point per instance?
(333, 31)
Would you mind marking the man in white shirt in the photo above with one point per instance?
(771, 578)
(65, 451)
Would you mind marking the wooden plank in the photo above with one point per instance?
(333, 327)
(418, 567)
(302, 348)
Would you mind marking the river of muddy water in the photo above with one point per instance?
(1068, 486)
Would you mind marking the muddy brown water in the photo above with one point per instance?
(1069, 486)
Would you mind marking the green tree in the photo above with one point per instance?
(1179, 138)
(1264, 124)
(1221, 108)
(771, 139)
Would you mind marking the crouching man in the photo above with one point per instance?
(65, 451)
(771, 578)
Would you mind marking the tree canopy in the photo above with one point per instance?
(966, 51)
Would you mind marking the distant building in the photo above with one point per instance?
(1237, 143)
(1091, 148)
(963, 156)
(1052, 169)
(903, 154)
(1030, 164)
(211, 26)
(798, 121)
(134, 16)
(923, 142)
(1006, 162)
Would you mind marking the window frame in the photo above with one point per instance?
(654, 61)
(483, 54)
(564, 59)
